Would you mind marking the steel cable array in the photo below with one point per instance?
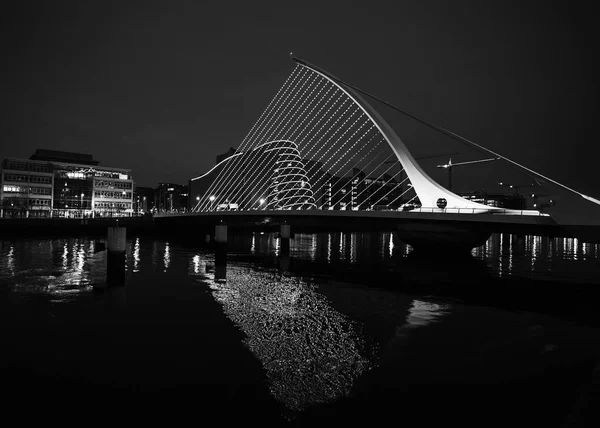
(312, 148)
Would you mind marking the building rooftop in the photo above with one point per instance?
(60, 156)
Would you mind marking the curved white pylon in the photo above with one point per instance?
(428, 191)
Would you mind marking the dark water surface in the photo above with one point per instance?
(350, 328)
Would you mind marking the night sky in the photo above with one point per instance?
(163, 87)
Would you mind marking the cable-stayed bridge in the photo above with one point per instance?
(321, 153)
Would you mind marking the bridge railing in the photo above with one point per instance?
(433, 210)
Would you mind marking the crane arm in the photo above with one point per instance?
(475, 161)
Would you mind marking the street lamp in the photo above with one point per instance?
(261, 202)
(81, 205)
(212, 199)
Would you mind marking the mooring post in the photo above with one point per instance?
(115, 257)
(220, 251)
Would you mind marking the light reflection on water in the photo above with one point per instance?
(423, 313)
(136, 256)
(505, 254)
(10, 260)
(311, 352)
(167, 256)
(540, 257)
(60, 268)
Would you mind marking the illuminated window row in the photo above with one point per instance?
(7, 188)
(112, 205)
(41, 202)
(112, 195)
(13, 189)
(106, 184)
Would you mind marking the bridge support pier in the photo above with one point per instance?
(115, 257)
(285, 234)
(220, 252)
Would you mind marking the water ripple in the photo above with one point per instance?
(311, 353)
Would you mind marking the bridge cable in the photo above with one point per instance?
(441, 129)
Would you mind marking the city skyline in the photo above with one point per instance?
(164, 90)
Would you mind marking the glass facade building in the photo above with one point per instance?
(50, 184)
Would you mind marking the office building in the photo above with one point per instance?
(170, 197)
(143, 199)
(54, 183)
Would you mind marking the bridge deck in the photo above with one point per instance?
(461, 215)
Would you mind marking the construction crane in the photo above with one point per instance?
(451, 165)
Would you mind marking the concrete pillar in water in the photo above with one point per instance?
(115, 257)
(285, 234)
(220, 251)
(284, 262)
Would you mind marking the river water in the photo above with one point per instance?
(348, 327)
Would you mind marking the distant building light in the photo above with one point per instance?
(170, 189)
(123, 176)
(75, 174)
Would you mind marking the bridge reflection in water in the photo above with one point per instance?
(503, 254)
